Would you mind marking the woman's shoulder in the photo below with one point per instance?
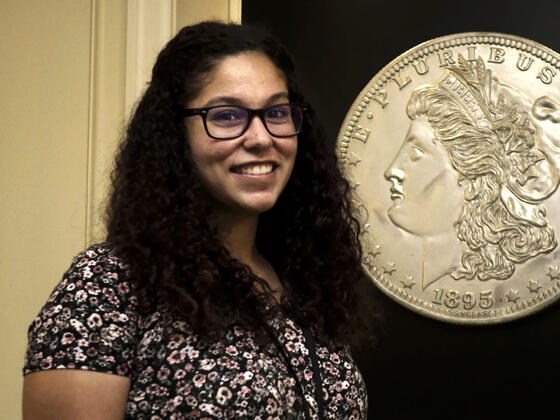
(98, 266)
(99, 257)
(90, 319)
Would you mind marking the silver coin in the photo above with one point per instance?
(453, 153)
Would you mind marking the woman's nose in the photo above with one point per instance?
(257, 134)
(394, 173)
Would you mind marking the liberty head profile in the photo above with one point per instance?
(471, 177)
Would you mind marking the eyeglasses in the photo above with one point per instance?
(227, 122)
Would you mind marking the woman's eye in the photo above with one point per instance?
(415, 153)
(226, 116)
(278, 113)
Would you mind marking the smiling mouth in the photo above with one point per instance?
(255, 169)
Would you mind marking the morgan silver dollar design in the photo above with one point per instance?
(453, 153)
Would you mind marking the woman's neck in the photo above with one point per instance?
(440, 256)
(238, 232)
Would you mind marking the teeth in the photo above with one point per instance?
(256, 170)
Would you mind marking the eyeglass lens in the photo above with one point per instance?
(231, 121)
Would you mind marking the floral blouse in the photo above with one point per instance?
(91, 322)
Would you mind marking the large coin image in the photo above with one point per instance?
(453, 153)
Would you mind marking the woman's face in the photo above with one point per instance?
(425, 193)
(248, 173)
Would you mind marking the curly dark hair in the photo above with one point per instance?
(157, 214)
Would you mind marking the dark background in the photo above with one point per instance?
(423, 368)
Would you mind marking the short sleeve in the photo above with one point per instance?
(90, 320)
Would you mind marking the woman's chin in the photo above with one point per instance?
(252, 208)
(257, 203)
(258, 208)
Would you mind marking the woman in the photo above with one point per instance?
(488, 183)
(227, 284)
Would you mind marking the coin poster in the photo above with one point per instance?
(453, 151)
(469, 320)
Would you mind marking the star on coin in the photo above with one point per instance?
(533, 286)
(365, 229)
(354, 184)
(389, 268)
(369, 258)
(553, 273)
(513, 296)
(353, 159)
(408, 282)
(375, 250)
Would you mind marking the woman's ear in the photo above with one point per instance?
(546, 108)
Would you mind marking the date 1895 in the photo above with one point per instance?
(468, 300)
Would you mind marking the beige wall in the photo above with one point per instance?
(43, 172)
(71, 70)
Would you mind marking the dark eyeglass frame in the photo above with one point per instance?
(203, 112)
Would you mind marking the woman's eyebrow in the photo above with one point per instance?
(233, 100)
(277, 96)
(224, 100)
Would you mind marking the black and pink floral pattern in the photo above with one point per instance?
(90, 322)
